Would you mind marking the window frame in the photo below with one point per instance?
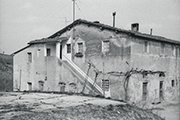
(144, 93)
(80, 47)
(105, 46)
(29, 57)
(48, 52)
(68, 46)
(105, 84)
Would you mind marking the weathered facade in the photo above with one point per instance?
(94, 58)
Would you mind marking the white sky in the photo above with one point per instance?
(24, 20)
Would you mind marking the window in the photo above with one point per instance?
(62, 86)
(179, 51)
(173, 51)
(105, 46)
(146, 46)
(29, 57)
(172, 83)
(162, 48)
(48, 52)
(145, 90)
(29, 86)
(41, 85)
(80, 47)
(161, 90)
(38, 52)
(105, 85)
(68, 48)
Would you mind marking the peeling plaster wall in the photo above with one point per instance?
(156, 61)
(114, 60)
(48, 69)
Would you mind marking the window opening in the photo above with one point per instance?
(105, 46)
(68, 48)
(145, 90)
(29, 57)
(38, 52)
(80, 47)
(41, 85)
(173, 51)
(161, 90)
(105, 85)
(62, 86)
(172, 83)
(162, 48)
(29, 86)
(146, 46)
(48, 52)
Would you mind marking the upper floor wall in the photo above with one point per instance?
(155, 48)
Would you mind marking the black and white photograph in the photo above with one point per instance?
(90, 59)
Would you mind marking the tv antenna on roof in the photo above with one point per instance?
(74, 1)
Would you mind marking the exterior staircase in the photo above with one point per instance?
(81, 75)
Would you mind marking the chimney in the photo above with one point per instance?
(114, 14)
(135, 27)
(151, 31)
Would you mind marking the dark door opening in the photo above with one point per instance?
(145, 91)
(161, 90)
(60, 51)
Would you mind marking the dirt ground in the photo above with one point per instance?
(43, 106)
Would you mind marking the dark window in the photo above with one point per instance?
(29, 57)
(145, 90)
(105, 46)
(80, 47)
(146, 46)
(172, 83)
(162, 48)
(48, 52)
(68, 48)
(105, 85)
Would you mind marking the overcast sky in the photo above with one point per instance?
(24, 20)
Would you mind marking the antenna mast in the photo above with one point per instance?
(73, 10)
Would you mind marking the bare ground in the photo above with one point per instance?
(42, 106)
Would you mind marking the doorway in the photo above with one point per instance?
(41, 85)
(145, 91)
(161, 90)
(29, 86)
(62, 86)
(60, 51)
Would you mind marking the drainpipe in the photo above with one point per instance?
(20, 80)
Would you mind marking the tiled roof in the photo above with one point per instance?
(115, 29)
(48, 40)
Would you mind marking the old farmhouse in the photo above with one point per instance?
(95, 58)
